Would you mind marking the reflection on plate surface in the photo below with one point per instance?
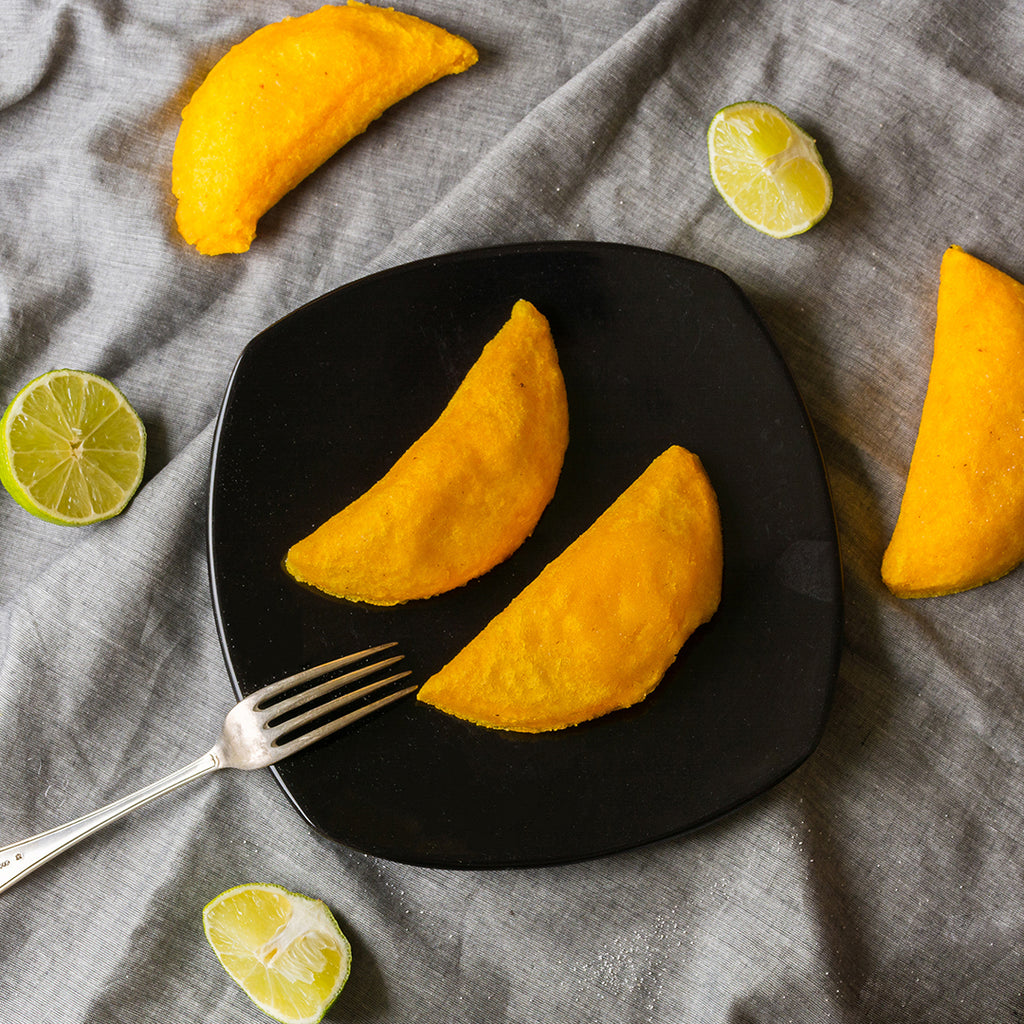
(655, 350)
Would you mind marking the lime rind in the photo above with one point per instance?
(280, 947)
(768, 169)
(72, 449)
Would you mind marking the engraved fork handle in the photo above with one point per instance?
(20, 859)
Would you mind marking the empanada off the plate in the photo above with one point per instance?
(601, 624)
(467, 492)
(282, 101)
(961, 522)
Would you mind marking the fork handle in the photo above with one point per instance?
(19, 859)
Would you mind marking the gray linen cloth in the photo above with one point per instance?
(881, 881)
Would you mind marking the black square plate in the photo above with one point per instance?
(656, 350)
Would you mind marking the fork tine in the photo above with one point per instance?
(296, 722)
(281, 685)
(314, 693)
(283, 750)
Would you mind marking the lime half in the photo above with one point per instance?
(768, 169)
(285, 950)
(72, 449)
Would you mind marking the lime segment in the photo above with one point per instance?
(768, 169)
(286, 951)
(72, 450)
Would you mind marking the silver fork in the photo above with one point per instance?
(258, 731)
